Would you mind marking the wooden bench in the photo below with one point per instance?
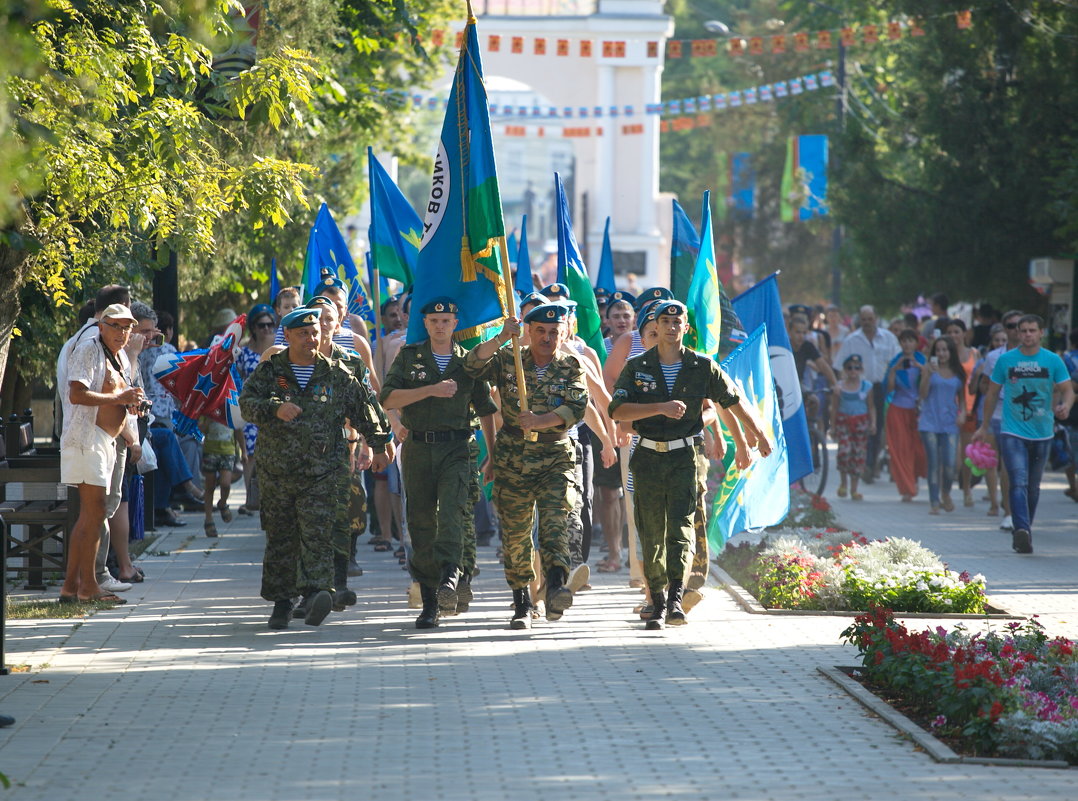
(33, 499)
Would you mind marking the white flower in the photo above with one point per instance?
(922, 587)
(948, 601)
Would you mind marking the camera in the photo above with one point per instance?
(144, 407)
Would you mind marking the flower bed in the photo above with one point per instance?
(1004, 695)
(807, 511)
(832, 569)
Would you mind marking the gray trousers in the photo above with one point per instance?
(112, 503)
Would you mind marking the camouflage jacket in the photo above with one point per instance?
(415, 367)
(700, 377)
(561, 391)
(312, 444)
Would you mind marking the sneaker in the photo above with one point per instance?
(578, 579)
(1005, 524)
(1022, 541)
(114, 585)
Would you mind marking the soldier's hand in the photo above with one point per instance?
(288, 411)
(488, 470)
(624, 437)
(674, 409)
(361, 457)
(381, 460)
(763, 445)
(527, 420)
(510, 329)
(714, 446)
(444, 389)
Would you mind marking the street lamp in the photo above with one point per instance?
(840, 81)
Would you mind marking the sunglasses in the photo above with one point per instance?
(1012, 326)
(126, 329)
(855, 367)
(265, 326)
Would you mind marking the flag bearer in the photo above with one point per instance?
(530, 475)
(436, 398)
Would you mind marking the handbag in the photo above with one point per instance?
(147, 463)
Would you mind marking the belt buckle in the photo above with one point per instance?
(662, 447)
(428, 437)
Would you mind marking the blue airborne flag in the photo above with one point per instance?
(605, 278)
(702, 299)
(684, 248)
(524, 284)
(461, 254)
(275, 282)
(761, 305)
(395, 228)
(574, 274)
(326, 249)
(760, 495)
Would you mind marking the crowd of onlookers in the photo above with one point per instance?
(910, 395)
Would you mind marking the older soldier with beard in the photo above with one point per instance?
(535, 473)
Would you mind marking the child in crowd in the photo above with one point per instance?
(854, 416)
(219, 453)
(943, 411)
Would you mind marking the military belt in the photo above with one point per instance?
(541, 436)
(661, 446)
(458, 435)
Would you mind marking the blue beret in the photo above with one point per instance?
(260, 310)
(440, 305)
(297, 318)
(671, 308)
(318, 300)
(553, 291)
(601, 293)
(532, 297)
(327, 280)
(644, 316)
(655, 293)
(621, 294)
(547, 313)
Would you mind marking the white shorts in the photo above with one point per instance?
(91, 465)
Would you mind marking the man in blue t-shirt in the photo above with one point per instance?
(1035, 387)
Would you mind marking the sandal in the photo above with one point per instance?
(104, 597)
(841, 492)
(608, 566)
(137, 578)
(993, 511)
(226, 513)
(856, 496)
(381, 546)
(210, 529)
(399, 553)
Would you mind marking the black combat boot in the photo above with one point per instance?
(282, 611)
(658, 612)
(522, 609)
(464, 592)
(299, 611)
(675, 615)
(447, 589)
(428, 618)
(558, 596)
(342, 596)
(318, 604)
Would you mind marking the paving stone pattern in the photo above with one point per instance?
(184, 694)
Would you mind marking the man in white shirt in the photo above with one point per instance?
(876, 346)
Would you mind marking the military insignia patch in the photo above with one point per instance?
(620, 394)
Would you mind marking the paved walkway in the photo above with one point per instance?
(185, 694)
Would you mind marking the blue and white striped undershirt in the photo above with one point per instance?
(303, 373)
(442, 361)
(541, 371)
(670, 372)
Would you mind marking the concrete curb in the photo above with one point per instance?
(753, 606)
(933, 747)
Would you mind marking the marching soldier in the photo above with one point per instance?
(299, 399)
(535, 473)
(662, 393)
(436, 397)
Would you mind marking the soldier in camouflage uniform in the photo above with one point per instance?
(437, 400)
(300, 400)
(535, 474)
(662, 393)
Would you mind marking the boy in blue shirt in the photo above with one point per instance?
(1035, 387)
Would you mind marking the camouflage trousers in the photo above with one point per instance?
(467, 559)
(351, 518)
(530, 476)
(299, 519)
(664, 508)
(357, 509)
(580, 518)
(437, 484)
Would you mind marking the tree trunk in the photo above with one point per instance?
(12, 276)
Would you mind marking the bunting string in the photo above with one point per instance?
(863, 34)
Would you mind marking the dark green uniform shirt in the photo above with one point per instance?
(313, 443)
(561, 391)
(700, 377)
(415, 367)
